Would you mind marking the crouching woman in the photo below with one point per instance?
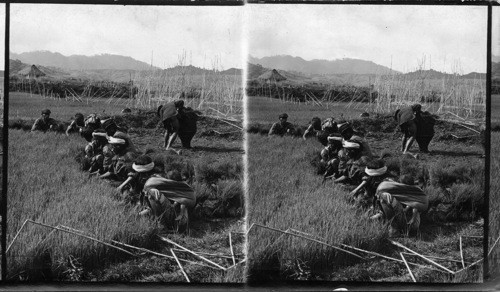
(396, 201)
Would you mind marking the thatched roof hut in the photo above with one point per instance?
(31, 72)
(271, 76)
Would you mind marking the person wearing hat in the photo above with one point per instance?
(375, 172)
(282, 127)
(347, 132)
(177, 121)
(121, 157)
(351, 159)
(142, 169)
(45, 123)
(76, 125)
(112, 130)
(330, 155)
(94, 150)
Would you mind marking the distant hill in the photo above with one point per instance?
(321, 67)
(433, 74)
(80, 62)
(17, 67)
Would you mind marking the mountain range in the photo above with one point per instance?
(321, 67)
(81, 62)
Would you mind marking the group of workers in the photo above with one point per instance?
(348, 159)
(110, 154)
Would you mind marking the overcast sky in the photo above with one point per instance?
(2, 36)
(206, 34)
(444, 35)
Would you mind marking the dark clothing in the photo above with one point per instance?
(281, 129)
(187, 120)
(406, 121)
(43, 125)
(425, 130)
(76, 125)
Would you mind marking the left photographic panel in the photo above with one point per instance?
(126, 144)
(2, 70)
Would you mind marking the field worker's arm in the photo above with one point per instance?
(175, 130)
(356, 190)
(306, 132)
(69, 128)
(128, 180)
(35, 125)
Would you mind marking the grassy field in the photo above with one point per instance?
(46, 185)
(285, 192)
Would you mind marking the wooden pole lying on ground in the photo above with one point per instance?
(192, 252)
(210, 254)
(180, 266)
(17, 234)
(78, 234)
(427, 259)
(231, 248)
(437, 258)
(493, 246)
(311, 239)
(408, 267)
(462, 253)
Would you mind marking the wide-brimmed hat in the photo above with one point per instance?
(283, 116)
(46, 112)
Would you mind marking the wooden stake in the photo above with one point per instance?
(231, 248)
(180, 266)
(427, 259)
(462, 253)
(192, 252)
(408, 267)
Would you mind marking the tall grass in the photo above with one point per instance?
(213, 92)
(284, 191)
(453, 94)
(45, 185)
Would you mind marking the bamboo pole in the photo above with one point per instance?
(314, 240)
(210, 254)
(192, 252)
(180, 266)
(462, 253)
(493, 246)
(408, 267)
(17, 234)
(81, 235)
(427, 259)
(231, 248)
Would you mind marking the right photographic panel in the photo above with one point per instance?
(494, 219)
(366, 144)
